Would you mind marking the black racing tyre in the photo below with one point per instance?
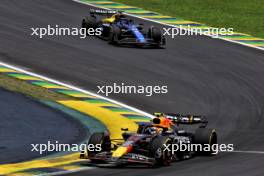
(206, 137)
(99, 138)
(114, 35)
(155, 33)
(89, 22)
(157, 150)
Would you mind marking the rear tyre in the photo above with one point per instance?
(89, 22)
(157, 150)
(206, 137)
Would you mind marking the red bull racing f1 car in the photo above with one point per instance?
(118, 30)
(151, 144)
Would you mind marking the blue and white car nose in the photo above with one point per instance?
(138, 34)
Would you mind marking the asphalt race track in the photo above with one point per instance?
(205, 76)
(25, 122)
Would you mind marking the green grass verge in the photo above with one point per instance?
(19, 86)
(245, 16)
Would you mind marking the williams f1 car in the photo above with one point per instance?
(118, 30)
(151, 144)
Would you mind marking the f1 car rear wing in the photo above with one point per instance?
(185, 119)
(104, 12)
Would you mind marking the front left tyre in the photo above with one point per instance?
(98, 139)
(156, 35)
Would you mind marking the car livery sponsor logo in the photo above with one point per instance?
(138, 157)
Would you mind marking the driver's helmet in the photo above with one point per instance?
(151, 130)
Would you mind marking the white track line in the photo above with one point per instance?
(250, 152)
(232, 41)
(67, 172)
(76, 88)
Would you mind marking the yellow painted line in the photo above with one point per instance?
(184, 22)
(246, 39)
(169, 21)
(80, 95)
(120, 7)
(139, 12)
(114, 122)
(106, 104)
(261, 44)
(239, 33)
(40, 163)
(28, 78)
(7, 70)
(156, 17)
(54, 87)
(102, 2)
(20, 174)
(31, 79)
(227, 34)
(179, 22)
(69, 167)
